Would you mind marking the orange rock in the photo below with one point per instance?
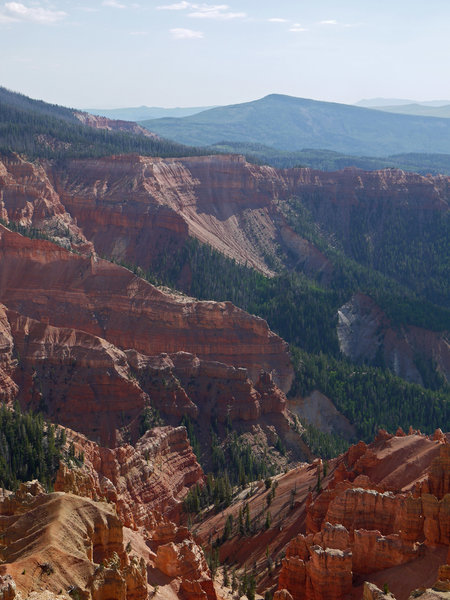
(374, 552)
(186, 561)
(110, 302)
(333, 536)
(438, 482)
(152, 476)
(382, 435)
(410, 519)
(358, 508)
(329, 574)
(66, 539)
(293, 577)
(355, 452)
(438, 436)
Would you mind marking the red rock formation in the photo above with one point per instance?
(136, 208)
(109, 301)
(151, 477)
(8, 388)
(329, 574)
(365, 527)
(58, 541)
(186, 561)
(28, 198)
(224, 201)
(438, 481)
(374, 552)
(126, 205)
(357, 508)
(70, 374)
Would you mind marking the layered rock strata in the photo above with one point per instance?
(356, 526)
(108, 301)
(149, 478)
(64, 542)
(70, 375)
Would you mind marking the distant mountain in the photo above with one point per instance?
(441, 112)
(379, 102)
(141, 113)
(328, 160)
(289, 124)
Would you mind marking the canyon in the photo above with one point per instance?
(140, 211)
(129, 205)
(113, 527)
(121, 364)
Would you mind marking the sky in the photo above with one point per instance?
(118, 53)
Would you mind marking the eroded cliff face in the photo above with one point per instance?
(365, 515)
(146, 482)
(86, 383)
(45, 282)
(132, 208)
(28, 198)
(139, 209)
(372, 517)
(73, 546)
(364, 331)
(65, 542)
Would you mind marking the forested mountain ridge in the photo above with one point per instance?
(38, 129)
(329, 160)
(291, 124)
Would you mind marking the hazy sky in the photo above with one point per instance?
(115, 53)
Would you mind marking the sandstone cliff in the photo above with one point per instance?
(63, 542)
(73, 547)
(129, 206)
(84, 382)
(109, 301)
(148, 479)
(373, 517)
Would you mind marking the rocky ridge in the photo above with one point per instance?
(109, 301)
(378, 513)
(80, 548)
(360, 525)
(137, 210)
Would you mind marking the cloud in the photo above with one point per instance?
(177, 6)
(16, 11)
(113, 4)
(185, 34)
(297, 28)
(220, 12)
(277, 20)
(328, 22)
